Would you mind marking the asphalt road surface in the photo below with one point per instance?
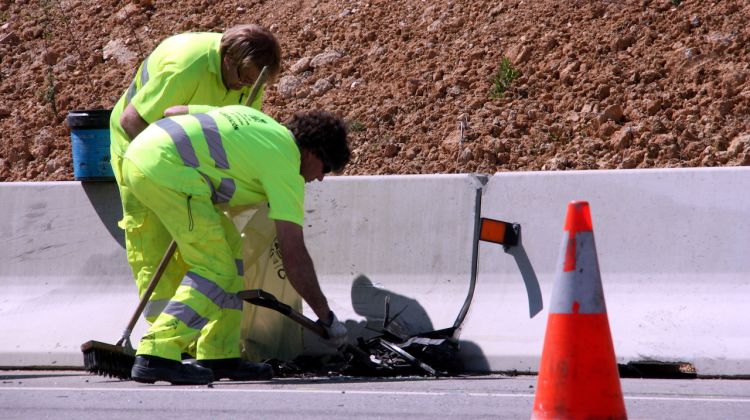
(77, 395)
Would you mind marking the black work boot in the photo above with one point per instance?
(237, 369)
(149, 369)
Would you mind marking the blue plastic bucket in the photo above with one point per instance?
(89, 134)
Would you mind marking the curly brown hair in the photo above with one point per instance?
(323, 134)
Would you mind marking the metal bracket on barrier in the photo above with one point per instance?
(509, 236)
(499, 232)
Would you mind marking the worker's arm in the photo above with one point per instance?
(187, 109)
(168, 86)
(299, 267)
(132, 122)
(176, 110)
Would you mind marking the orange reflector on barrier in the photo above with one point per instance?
(498, 232)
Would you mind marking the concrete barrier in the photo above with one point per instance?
(63, 271)
(67, 280)
(673, 248)
(674, 254)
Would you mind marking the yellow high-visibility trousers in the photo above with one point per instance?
(146, 241)
(204, 305)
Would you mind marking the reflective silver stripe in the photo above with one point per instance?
(580, 290)
(240, 267)
(213, 138)
(154, 307)
(181, 141)
(144, 72)
(144, 78)
(131, 92)
(226, 190)
(186, 314)
(212, 291)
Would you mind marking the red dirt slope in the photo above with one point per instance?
(604, 84)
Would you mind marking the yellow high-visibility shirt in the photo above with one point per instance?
(236, 154)
(184, 69)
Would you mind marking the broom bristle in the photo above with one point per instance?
(107, 360)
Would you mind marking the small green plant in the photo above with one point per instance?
(504, 77)
(356, 126)
(50, 93)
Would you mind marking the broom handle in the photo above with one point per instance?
(149, 290)
(256, 86)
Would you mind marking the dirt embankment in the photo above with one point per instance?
(426, 87)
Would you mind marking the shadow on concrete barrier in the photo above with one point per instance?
(105, 200)
(407, 316)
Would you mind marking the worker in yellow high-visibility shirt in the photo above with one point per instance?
(185, 73)
(179, 169)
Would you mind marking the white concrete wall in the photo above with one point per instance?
(673, 248)
(64, 279)
(674, 255)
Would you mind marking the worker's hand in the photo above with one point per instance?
(336, 331)
(176, 110)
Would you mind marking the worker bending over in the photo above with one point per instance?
(188, 72)
(179, 169)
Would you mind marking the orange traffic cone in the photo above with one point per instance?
(578, 376)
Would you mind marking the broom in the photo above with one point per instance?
(117, 360)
